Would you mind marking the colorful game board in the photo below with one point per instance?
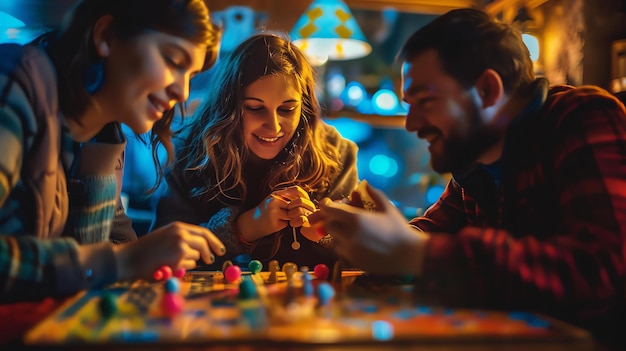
(272, 310)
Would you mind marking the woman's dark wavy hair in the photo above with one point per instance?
(215, 151)
(468, 42)
(72, 50)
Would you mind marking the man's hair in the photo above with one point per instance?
(468, 41)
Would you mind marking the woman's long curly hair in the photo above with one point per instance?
(71, 48)
(215, 152)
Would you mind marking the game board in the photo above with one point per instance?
(281, 312)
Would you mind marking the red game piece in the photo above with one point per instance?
(180, 272)
(232, 273)
(165, 272)
(321, 271)
(172, 304)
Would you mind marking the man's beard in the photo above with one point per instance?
(460, 151)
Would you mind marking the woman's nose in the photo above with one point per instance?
(179, 89)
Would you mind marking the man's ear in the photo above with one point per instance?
(490, 88)
(102, 35)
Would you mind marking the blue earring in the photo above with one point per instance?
(94, 77)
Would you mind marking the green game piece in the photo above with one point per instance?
(255, 266)
(107, 305)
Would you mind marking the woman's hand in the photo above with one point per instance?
(289, 206)
(178, 245)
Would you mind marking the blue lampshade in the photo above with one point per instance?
(328, 31)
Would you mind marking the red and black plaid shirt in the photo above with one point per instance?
(548, 232)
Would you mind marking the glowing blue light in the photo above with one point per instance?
(8, 21)
(383, 165)
(433, 194)
(385, 102)
(353, 94)
(335, 84)
(351, 129)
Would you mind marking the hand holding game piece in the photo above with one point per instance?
(283, 207)
(367, 239)
(232, 273)
(321, 271)
(255, 266)
(176, 245)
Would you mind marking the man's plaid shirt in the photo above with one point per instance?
(547, 229)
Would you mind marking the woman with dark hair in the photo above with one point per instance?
(257, 156)
(63, 98)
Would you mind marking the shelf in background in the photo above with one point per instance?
(373, 120)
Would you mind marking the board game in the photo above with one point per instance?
(297, 308)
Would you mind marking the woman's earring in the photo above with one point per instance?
(94, 77)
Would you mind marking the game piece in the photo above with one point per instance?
(289, 269)
(172, 304)
(158, 274)
(307, 285)
(255, 266)
(230, 313)
(321, 271)
(164, 272)
(172, 285)
(226, 264)
(180, 272)
(242, 260)
(273, 269)
(107, 305)
(382, 330)
(232, 273)
(247, 290)
(325, 292)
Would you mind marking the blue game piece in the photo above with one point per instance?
(247, 289)
(325, 292)
(172, 285)
(307, 285)
(242, 260)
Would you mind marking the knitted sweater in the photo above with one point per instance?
(35, 259)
